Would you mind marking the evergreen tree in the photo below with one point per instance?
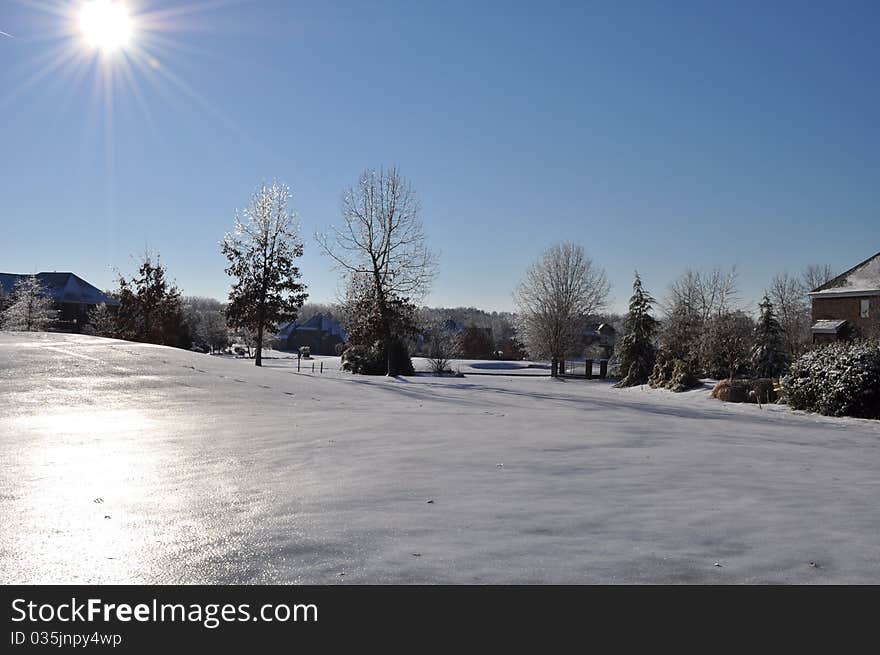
(103, 321)
(261, 254)
(369, 322)
(770, 358)
(637, 352)
(28, 309)
(150, 309)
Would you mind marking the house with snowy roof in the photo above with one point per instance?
(848, 306)
(321, 333)
(74, 297)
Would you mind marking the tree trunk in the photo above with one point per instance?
(259, 355)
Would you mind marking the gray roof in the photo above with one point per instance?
(317, 323)
(66, 288)
(827, 326)
(862, 279)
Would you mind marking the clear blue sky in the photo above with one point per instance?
(660, 135)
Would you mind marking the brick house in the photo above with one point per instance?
(848, 307)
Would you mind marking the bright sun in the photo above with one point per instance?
(105, 24)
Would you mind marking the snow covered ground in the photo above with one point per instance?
(124, 462)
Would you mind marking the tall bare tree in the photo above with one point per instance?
(382, 242)
(791, 303)
(261, 253)
(559, 292)
(694, 299)
(815, 275)
(704, 293)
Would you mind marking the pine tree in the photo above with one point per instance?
(637, 352)
(261, 254)
(150, 309)
(103, 320)
(29, 308)
(770, 358)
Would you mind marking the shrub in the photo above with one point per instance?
(372, 360)
(673, 374)
(683, 377)
(745, 391)
(836, 379)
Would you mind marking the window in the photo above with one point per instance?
(865, 304)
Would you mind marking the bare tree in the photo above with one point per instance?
(791, 303)
(558, 293)
(693, 300)
(29, 309)
(704, 294)
(261, 254)
(815, 275)
(381, 242)
(444, 347)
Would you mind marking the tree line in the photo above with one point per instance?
(380, 249)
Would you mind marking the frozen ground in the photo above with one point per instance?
(124, 462)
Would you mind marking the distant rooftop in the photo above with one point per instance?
(317, 323)
(66, 288)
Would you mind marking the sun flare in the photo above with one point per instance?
(105, 24)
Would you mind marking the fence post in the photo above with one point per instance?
(313, 367)
(322, 366)
(588, 369)
(298, 363)
(603, 368)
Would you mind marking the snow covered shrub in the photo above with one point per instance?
(836, 379)
(683, 377)
(726, 343)
(361, 359)
(745, 391)
(673, 374)
(372, 360)
(662, 372)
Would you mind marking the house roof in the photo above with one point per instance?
(827, 326)
(861, 279)
(317, 323)
(65, 288)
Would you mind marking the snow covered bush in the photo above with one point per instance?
(673, 374)
(726, 343)
(836, 379)
(372, 360)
